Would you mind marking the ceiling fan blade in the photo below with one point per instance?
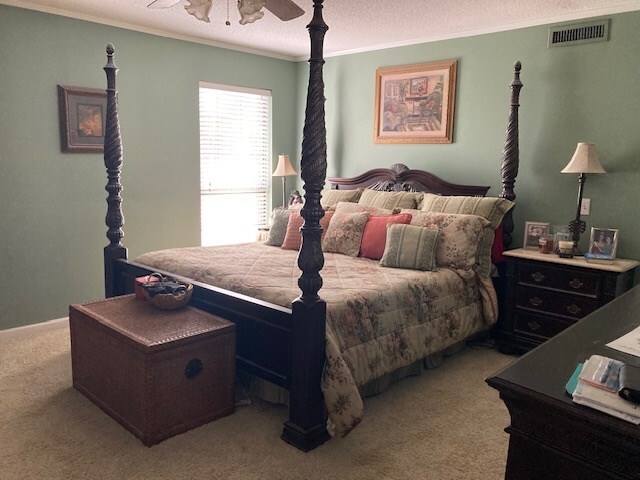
(163, 3)
(284, 9)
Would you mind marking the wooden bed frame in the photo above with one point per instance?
(287, 346)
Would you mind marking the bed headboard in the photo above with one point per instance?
(401, 178)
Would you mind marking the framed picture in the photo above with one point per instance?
(82, 115)
(414, 103)
(603, 242)
(532, 233)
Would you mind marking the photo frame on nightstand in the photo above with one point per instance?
(532, 233)
(603, 243)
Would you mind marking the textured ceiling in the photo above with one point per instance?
(354, 25)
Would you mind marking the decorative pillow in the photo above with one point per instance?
(412, 247)
(346, 207)
(345, 233)
(293, 237)
(465, 241)
(380, 199)
(331, 197)
(374, 237)
(491, 208)
(497, 248)
(278, 227)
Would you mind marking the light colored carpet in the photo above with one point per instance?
(444, 424)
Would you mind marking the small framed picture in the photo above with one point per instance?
(603, 242)
(532, 233)
(82, 116)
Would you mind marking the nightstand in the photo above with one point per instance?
(546, 294)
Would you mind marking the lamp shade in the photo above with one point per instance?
(584, 160)
(284, 168)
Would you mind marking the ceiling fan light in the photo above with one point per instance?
(250, 10)
(199, 9)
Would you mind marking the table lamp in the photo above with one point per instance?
(584, 161)
(284, 170)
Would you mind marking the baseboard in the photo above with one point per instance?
(34, 329)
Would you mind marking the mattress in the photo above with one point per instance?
(378, 319)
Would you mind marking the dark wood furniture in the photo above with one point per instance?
(546, 294)
(157, 373)
(550, 436)
(285, 346)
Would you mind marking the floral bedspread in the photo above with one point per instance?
(378, 319)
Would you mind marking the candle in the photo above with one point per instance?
(565, 249)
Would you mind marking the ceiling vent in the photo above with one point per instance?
(579, 33)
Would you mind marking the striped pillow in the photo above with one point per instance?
(347, 207)
(389, 200)
(491, 208)
(331, 197)
(465, 241)
(411, 247)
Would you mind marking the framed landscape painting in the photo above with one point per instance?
(82, 114)
(415, 103)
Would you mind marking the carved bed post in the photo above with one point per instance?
(511, 154)
(306, 427)
(113, 162)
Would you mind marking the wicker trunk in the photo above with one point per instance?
(156, 372)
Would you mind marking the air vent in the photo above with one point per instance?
(579, 33)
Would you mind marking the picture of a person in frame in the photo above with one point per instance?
(533, 233)
(603, 242)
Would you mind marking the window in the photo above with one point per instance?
(235, 162)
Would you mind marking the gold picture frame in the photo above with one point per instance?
(415, 103)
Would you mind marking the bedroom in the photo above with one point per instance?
(590, 90)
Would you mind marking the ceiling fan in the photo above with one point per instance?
(250, 10)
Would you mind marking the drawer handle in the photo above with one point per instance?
(537, 277)
(573, 309)
(535, 301)
(576, 283)
(533, 325)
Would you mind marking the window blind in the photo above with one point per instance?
(235, 162)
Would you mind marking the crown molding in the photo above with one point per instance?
(585, 14)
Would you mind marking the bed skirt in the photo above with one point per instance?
(269, 392)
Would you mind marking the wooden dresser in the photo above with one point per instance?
(552, 438)
(546, 294)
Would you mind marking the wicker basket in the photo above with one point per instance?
(170, 301)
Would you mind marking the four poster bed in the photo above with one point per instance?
(294, 343)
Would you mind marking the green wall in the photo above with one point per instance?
(52, 205)
(571, 94)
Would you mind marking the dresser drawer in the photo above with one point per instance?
(548, 301)
(538, 326)
(574, 281)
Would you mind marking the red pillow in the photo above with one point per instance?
(293, 237)
(374, 238)
(498, 247)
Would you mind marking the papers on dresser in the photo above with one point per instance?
(597, 387)
(629, 343)
(607, 402)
